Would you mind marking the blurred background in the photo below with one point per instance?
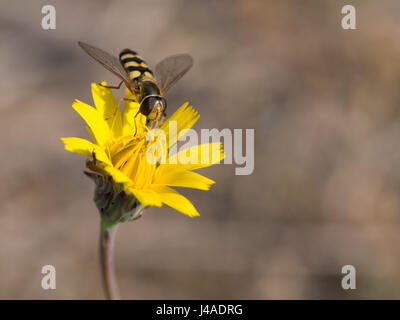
(325, 192)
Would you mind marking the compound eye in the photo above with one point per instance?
(147, 105)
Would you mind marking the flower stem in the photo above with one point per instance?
(107, 236)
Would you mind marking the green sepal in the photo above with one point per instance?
(115, 206)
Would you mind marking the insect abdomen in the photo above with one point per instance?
(134, 65)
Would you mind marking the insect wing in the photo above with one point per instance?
(171, 69)
(107, 60)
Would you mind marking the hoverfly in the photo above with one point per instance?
(148, 88)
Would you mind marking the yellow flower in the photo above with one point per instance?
(119, 152)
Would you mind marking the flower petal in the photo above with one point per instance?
(106, 105)
(117, 175)
(128, 116)
(86, 148)
(178, 177)
(147, 197)
(175, 200)
(185, 118)
(94, 120)
(90, 132)
(196, 157)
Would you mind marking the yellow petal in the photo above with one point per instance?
(175, 200)
(128, 116)
(147, 197)
(124, 156)
(196, 157)
(177, 177)
(185, 118)
(104, 99)
(117, 175)
(94, 120)
(90, 132)
(106, 105)
(85, 148)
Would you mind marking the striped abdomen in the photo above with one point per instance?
(134, 65)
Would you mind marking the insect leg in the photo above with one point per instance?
(134, 120)
(162, 118)
(117, 108)
(112, 87)
(159, 119)
(155, 123)
(115, 112)
(112, 116)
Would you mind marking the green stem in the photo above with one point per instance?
(107, 237)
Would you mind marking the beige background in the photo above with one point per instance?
(324, 103)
